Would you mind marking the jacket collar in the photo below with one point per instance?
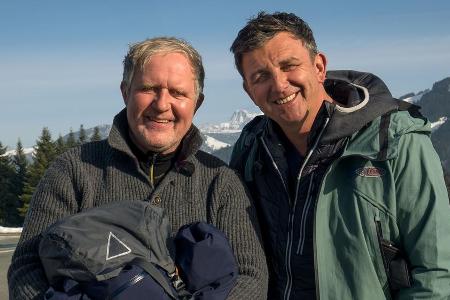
(119, 139)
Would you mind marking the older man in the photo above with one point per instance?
(349, 190)
(152, 154)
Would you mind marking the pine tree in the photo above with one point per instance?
(96, 135)
(21, 170)
(71, 142)
(82, 135)
(45, 152)
(60, 145)
(7, 197)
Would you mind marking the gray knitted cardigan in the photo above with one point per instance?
(200, 187)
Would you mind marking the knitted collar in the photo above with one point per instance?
(119, 140)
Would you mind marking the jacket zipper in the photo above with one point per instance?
(287, 264)
(151, 174)
(379, 231)
(302, 233)
(287, 290)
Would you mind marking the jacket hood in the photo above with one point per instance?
(362, 98)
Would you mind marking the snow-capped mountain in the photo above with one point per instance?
(211, 144)
(235, 124)
(225, 134)
(435, 125)
(29, 152)
(414, 98)
(435, 105)
(26, 151)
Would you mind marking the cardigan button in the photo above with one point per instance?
(156, 200)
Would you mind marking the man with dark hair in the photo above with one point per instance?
(349, 190)
(152, 154)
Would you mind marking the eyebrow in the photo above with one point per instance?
(281, 63)
(289, 60)
(148, 86)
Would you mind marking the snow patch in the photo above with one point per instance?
(10, 229)
(438, 123)
(214, 144)
(26, 151)
(414, 99)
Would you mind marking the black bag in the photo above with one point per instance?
(97, 244)
(395, 264)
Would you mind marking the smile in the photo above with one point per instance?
(162, 121)
(286, 100)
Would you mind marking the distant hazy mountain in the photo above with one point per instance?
(435, 105)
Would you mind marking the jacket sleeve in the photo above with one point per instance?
(236, 217)
(423, 216)
(53, 199)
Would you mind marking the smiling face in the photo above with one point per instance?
(285, 82)
(161, 102)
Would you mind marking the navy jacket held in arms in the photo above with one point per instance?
(119, 251)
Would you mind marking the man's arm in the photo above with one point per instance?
(423, 215)
(236, 216)
(53, 199)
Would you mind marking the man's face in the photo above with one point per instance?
(283, 80)
(161, 102)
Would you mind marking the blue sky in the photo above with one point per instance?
(61, 61)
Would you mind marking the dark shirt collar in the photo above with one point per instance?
(119, 139)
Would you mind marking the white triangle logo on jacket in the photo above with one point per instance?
(116, 247)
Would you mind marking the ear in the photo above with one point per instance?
(200, 99)
(124, 90)
(320, 63)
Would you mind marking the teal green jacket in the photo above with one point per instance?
(397, 184)
(408, 197)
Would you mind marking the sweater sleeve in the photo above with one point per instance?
(237, 218)
(423, 217)
(53, 199)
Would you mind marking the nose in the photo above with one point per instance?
(162, 100)
(280, 81)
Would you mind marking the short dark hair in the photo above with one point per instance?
(265, 26)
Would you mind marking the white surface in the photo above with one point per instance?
(10, 229)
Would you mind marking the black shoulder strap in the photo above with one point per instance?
(156, 275)
(383, 135)
(412, 109)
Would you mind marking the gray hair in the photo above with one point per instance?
(265, 26)
(140, 53)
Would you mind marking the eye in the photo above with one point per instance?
(260, 77)
(177, 93)
(148, 89)
(289, 67)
